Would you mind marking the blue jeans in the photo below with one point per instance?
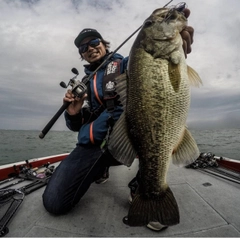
(73, 177)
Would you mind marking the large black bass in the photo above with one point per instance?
(156, 99)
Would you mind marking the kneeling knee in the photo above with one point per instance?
(54, 205)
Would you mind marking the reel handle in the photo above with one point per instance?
(54, 119)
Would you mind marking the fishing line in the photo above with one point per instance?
(167, 3)
(112, 53)
(78, 85)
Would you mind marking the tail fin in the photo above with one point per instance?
(164, 210)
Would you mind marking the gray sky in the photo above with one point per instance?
(37, 53)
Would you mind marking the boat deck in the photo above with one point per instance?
(209, 207)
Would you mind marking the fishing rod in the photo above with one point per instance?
(7, 180)
(12, 184)
(207, 163)
(27, 173)
(14, 197)
(79, 88)
(221, 174)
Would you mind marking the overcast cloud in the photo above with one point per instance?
(37, 52)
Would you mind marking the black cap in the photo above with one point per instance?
(87, 32)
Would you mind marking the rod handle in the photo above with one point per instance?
(54, 119)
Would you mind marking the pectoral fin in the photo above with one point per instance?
(186, 151)
(120, 145)
(174, 75)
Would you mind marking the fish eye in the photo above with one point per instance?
(147, 23)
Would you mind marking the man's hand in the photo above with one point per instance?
(187, 35)
(76, 103)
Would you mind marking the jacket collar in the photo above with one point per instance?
(91, 67)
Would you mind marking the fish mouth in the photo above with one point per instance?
(166, 38)
(164, 25)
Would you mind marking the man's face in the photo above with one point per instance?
(93, 53)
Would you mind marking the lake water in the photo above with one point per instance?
(19, 145)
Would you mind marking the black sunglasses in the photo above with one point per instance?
(93, 43)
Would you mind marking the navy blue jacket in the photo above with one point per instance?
(95, 131)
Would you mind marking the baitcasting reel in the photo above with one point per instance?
(78, 88)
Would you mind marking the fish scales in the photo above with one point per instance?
(153, 124)
(150, 92)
